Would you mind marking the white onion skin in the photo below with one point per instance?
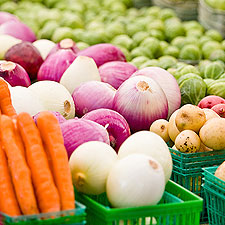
(167, 82)
(140, 108)
(136, 180)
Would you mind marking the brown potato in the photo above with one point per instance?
(188, 141)
(212, 134)
(209, 113)
(190, 117)
(172, 129)
(160, 127)
(220, 172)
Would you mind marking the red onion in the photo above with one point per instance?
(18, 30)
(116, 72)
(59, 117)
(67, 44)
(102, 53)
(55, 65)
(5, 17)
(93, 95)
(167, 82)
(27, 56)
(115, 124)
(14, 74)
(141, 101)
(78, 131)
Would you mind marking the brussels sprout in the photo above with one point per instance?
(223, 44)
(191, 41)
(113, 29)
(171, 50)
(78, 34)
(47, 31)
(82, 45)
(222, 76)
(194, 33)
(204, 39)
(140, 51)
(154, 11)
(157, 34)
(189, 25)
(189, 69)
(71, 20)
(95, 25)
(218, 54)
(156, 24)
(151, 44)
(217, 88)
(173, 71)
(192, 90)
(166, 13)
(188, 76)
(202, 65)
(132, 28)
(178, 42)
(151, 62)
(61, 33)
(94, 37)
(118, 7)
(138, 61)
(166, 62)
(126, 53)
(208, 82)
(190, 52)
(213, 70)
(139, 37)
(123, 40)
(214, 34)
(9, 7)
(180, 66)
(209, 47)
(173, 28)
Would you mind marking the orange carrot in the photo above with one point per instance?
(45, 189)
(8, 201)
(19, 170)
(5, 99)
(52, 137)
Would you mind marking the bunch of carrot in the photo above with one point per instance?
(34, 171)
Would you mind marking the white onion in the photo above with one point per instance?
(44, 46)
(90, 165)
(81, 70)
(54, 97)
(141, 101)
(136, 180)
(151, 144)
(6, 42)
(24, 100)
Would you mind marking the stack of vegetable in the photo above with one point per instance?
(35, 174)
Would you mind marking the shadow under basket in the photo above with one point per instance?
(76, 216)
(178, 206)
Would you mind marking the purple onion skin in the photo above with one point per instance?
(18, 30)
(115, 124)
(78, 131)
(26, 55)
(116, 72)
(55, 65)
(5, 17)
(103, 53)
(16, 77)
(57, 47)
(59, 117)
(93, 95)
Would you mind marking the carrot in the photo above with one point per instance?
(19, 170)
(8, 201)
(52, 137)
(5, 99)
(45, 189)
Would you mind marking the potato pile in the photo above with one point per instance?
(192, 129)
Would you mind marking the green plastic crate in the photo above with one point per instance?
(178, 206)
(76, 216)
(214, 189)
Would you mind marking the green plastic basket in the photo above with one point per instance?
(76, 216)
(214, 189)
(178, 206)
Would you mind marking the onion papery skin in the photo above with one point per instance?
(116, 72)
(93, 95)
(115, 124)
(18, 30)
(59, 117)
(167, 82)
(55, 65)
(103, 53)
(78, 131)
(14, 74)
(141, 101)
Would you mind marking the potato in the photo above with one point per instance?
(212, 134)
(190, 117)
(220, 172)
(172, 129)
(188, 141)
(204, 148)
(160, 127)
(209, 113)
